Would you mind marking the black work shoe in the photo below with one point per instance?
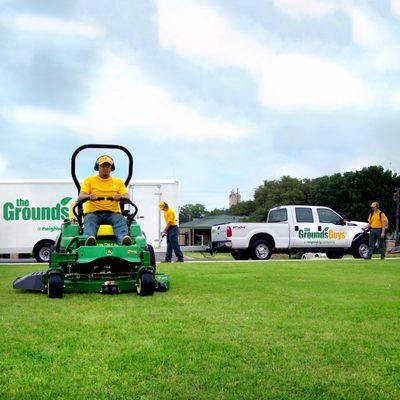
(91, 241)
(126, 241)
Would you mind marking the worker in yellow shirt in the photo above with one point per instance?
(104, 211)
(377, 223)
(171, 230)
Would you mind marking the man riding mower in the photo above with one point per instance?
(106, 259)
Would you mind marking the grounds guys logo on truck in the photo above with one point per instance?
(22, 209)
(327, 233)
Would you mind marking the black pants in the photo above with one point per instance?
(172, 244)
(374, 236)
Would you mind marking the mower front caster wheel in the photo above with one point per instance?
(55, 285)
(145, 285)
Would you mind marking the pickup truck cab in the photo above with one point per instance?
(290, 229)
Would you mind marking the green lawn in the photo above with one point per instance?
(262, 330)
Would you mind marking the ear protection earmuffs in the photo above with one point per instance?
(96, 165)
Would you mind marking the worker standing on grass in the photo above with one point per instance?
(171, 230)
(377, 223)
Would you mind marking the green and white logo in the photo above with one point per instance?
(22, 210)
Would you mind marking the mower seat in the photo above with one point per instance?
(105, 230)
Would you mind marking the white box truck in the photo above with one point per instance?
(31, 211)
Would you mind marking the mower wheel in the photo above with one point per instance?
(150, 248)
(146, 285)
(55, 285)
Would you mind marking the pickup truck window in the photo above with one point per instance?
(327, 216)
(304, 214)
(278, 215)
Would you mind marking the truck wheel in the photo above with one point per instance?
(240, 254)
(334, 254)
(43, 250)
(360, 250)
(146, 285)
(260, 250)
(55, 285)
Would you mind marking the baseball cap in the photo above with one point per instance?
(105, 159)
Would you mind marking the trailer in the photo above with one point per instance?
(32, 211)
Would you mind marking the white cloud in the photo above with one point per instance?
(367, 31)
(4, 171)
(123, 98)
(308, 8)
(395, 7)
(395, 99)
(198, 32)
(373, 33)
(296, 81)
(44, 24)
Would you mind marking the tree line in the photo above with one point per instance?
(350, 194)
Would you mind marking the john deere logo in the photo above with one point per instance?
(22, 209)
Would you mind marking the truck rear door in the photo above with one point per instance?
(218, 233)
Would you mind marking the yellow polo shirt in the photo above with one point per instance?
(103, 188)
(377, 220)
(169, 216)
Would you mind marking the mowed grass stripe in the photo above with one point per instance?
(274, 330)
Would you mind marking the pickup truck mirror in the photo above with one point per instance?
(342, 221)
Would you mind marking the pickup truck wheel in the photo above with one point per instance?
(260, 250)
(240, 254)
(334, 254)
(360, 250)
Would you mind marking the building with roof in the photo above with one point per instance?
(198, 231)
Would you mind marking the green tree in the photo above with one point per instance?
(286, 190)
(190, 211)
(351, 193)
(244, 208)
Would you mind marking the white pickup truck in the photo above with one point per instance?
(291, 229)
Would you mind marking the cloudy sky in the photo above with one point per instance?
(218, 94)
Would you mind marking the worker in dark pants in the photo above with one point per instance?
(377, 223)
(171, 230)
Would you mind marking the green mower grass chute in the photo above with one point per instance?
(107, 267)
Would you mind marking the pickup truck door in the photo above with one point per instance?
(336, 231)
(302, 230)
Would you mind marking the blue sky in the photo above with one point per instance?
(218, 94)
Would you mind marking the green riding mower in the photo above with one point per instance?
(106, 267)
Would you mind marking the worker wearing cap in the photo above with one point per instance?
(171, 230)
(99, 212)
(377, 223)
